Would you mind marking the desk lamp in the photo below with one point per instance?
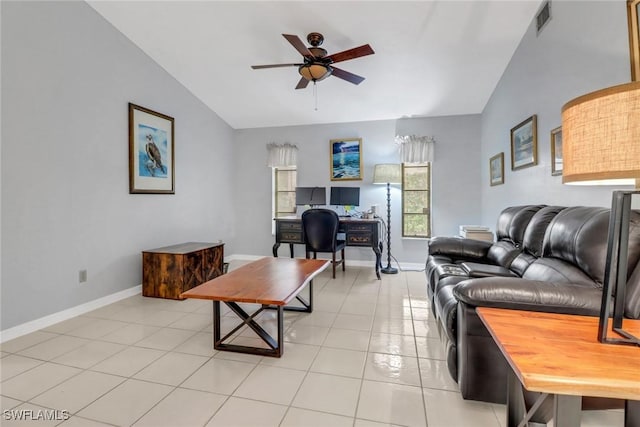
(388, 173)
(601, 146)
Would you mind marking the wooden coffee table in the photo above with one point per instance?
(559, 356)
(270, 282)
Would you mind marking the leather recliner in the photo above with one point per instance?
(546, 258)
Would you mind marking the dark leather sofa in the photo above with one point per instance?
(545, 258)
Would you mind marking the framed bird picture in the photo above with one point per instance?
(151, 149)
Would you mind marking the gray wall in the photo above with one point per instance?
(584, 47)
(455, 186)
(67, 76)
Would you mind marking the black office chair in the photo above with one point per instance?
(320, 228)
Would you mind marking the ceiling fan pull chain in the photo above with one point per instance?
(315, 95)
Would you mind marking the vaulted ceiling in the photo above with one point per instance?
(432, 58)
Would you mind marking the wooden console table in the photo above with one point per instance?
(559, 356)
(358, 232)
(171, 270)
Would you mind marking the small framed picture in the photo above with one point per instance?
(524, 144)
(345, 159)
(496, 169)
(633, 14)
(556, 151)
(151, 148)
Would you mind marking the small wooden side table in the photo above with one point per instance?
(171, 270)
(559, 356)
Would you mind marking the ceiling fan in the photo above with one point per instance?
(317, 64)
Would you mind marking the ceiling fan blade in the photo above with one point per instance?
(302, 83)
(259, 67)
(356, 52)
(300, 47)
(345, 75)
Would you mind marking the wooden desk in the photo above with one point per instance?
(270, 282)
(358, 232)
(559, 356)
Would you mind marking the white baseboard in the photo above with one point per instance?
(242, 257)
(44, 322)
(405, 266)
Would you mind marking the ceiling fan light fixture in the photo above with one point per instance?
(315, 72)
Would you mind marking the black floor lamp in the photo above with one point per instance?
(388, 173)
(601, 146)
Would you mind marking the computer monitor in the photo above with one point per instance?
(311, 196)
(345, 196)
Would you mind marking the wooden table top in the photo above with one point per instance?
(560, 353)
(273, 281)
(183, 248)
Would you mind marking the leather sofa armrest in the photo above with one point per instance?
(476, 269)
(532, 295)
(459, 248)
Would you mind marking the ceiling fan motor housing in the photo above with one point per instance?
(315, 39)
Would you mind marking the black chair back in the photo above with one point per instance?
(320, 228)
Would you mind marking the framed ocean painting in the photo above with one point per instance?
(345, 159)
(524, 144)
(151, 151)
(496, 169)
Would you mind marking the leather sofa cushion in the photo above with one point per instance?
(475, 269)
(632, 295)
(533, 239)
(557, 270)
(455, 247)
(513, 222)
(521, 263)
(578, 235)
(521, 294)
(446, 307)
(505, 219)
(503, 253)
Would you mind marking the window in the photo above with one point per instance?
(285, 191)
(416, 200)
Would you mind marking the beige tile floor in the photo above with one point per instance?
(368, 355)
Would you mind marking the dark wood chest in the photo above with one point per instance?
(171, 270)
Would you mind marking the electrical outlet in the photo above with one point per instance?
(82, 276)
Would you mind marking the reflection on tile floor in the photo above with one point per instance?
(369, 355)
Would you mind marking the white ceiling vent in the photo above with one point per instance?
(543, 16)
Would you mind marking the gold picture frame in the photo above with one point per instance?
(496, 169)
(556, 151)
(633, 12)
(524, 144)
(345, 159)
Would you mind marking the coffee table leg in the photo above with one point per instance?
(275, 345)
(216, 323)
(280, 349)
(519, 413)
(632, 413)
(516, 408)
(567, 410)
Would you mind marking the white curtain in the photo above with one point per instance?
(281, 155)
(415, 149)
